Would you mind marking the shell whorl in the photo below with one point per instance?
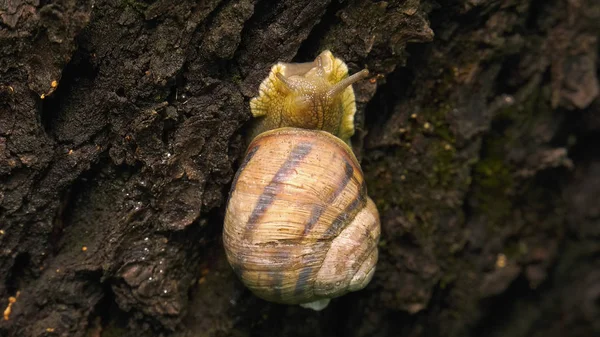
(299, 225)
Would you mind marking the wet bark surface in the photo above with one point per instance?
(122, 124)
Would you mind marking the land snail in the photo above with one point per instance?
(299, 226)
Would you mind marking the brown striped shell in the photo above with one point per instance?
(299, 226)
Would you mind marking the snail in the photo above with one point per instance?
(299, 225)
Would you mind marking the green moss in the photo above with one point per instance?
(444, 165)
(161, 96)
(137, 5)
(493, 175)
(417, 188)
(236, 79)
(493, 182)
(516, 250)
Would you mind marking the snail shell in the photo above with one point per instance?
(299, 226)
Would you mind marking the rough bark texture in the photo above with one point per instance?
(121, 126)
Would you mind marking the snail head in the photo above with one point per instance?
(313, 95)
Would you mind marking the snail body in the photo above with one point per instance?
(299, 225)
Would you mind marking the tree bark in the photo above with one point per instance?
(122, 123)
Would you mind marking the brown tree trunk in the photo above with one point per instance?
(121, 127)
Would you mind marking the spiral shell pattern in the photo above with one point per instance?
(299, 225)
